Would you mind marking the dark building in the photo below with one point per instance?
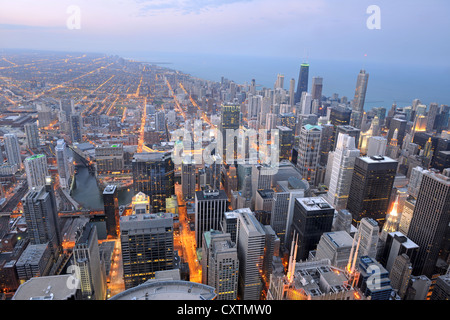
(430, 221)
(302, 84)
(287, 120)
(286, 142)
(153, 174)
(400, 125)
(111, 205)
(76, 125)
(381, 289)
(351, 131)
(370, 188)
(312, 217)
(230, 120)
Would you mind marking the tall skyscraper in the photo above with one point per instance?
(32, 134)
(111, 208)
(292, 92)
(302, 84)
(359, 99)
(65, 168)
(220, 264)
(286, 142)
(76, 127)
(430, 221)
(251, 242)
(153, 174)
(210, 206)
(147, 246)
(66, 105)
(41, 217)
(370, 189)
(368, 230)
(308, 152)
(316, 90)
(36, 170)
(188, 178)
(312, 217)
(12, 149)
(344, 158)
(86, 256)
(230, 120)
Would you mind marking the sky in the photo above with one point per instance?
(411, 32)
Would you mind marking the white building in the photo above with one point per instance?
(36, 170)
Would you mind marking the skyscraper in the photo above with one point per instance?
(32, 134)
(344, 158)
(41, 216)
(292, 92)
(36, 170)
(111, 208)
(359, 99)
(63, 163)
(430, 221)
(210, 206)
(251, 242)
(302, 84)
(76, 127)
(308, 152)
(230, 120)
(312, 217)
(370, 189)
(220, 264)
(86, 257)
(147, 246)
(153, 174)
(188, 179)
(12, 149)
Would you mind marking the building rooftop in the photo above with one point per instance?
(110, 189)
(314, 203)
(377, 159)
(46, 288)
(168, 289)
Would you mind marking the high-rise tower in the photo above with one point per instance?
(302, 84)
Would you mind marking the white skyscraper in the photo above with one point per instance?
(306, 103)
(36, 170)
(376, 146)
(342, 171)
(12, 149)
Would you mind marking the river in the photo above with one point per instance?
(88, 194)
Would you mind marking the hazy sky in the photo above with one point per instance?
(411, 31)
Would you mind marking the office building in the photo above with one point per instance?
(397, 244)
(312, 217)
(368, 231)
(308, 152)
(32, 134)
(111, 208)
(430, 221)
(229, 225)
(374, 279)
(147, 246)
(376, 146)
(316, 88)
(109, 158)
(12, 149)
(153, 174)
(220, 264)
(230, 120)
(64, 163)
(188, 179)
(76, 127)
(441, 289)
(41, 217)
(342, 167)
(302, 84)
(251, 243)
(210, 206)
(36, 170)
(359, 99)
(86, 256)
(35, 261)
(335, 246)
(400, 274)
(286, 142)
(370, 189)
